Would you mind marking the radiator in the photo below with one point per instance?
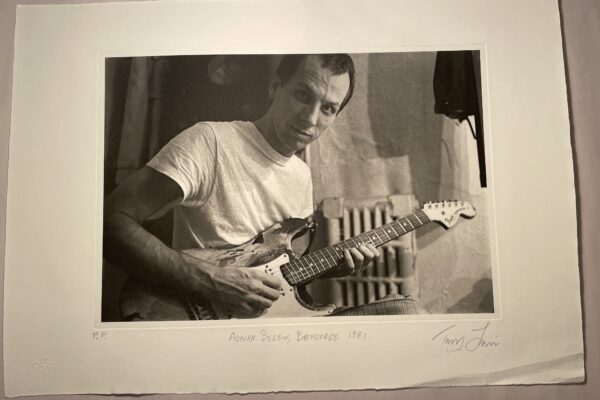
(392, 272)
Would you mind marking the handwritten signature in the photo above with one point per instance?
(458, 341)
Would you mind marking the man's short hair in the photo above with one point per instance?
(336, 63)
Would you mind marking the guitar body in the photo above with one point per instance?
(268, 251)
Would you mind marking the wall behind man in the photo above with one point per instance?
(389, 140)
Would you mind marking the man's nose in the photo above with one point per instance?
(310, 114)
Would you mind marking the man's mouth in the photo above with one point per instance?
(302, 133)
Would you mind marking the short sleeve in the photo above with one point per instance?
(189, 159)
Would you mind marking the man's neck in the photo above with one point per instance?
(266, 129)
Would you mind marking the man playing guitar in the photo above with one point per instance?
(227, 182)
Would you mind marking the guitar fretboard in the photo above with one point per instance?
(304, 269)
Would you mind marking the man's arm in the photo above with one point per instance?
(148, 194)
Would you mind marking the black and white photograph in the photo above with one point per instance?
(295, 185)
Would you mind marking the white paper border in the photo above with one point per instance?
(555, 358)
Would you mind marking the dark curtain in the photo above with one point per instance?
(151, 99)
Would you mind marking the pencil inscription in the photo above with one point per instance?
(456, 340)
(297, 336)
(43, 365)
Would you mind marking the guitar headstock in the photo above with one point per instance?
(448, 212)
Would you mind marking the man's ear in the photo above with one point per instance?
(274, 87)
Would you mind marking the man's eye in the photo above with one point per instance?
(329, 110)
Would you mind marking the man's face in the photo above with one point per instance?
(306, 105)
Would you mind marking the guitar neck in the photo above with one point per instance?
(304, 269)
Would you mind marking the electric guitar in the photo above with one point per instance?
(271, 252)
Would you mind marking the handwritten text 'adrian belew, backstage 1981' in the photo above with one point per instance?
(298, 336)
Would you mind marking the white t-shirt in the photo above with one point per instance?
(235, 185)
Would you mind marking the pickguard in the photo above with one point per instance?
(289, 304)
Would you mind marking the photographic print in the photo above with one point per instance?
(199, 191)
(324, 175)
